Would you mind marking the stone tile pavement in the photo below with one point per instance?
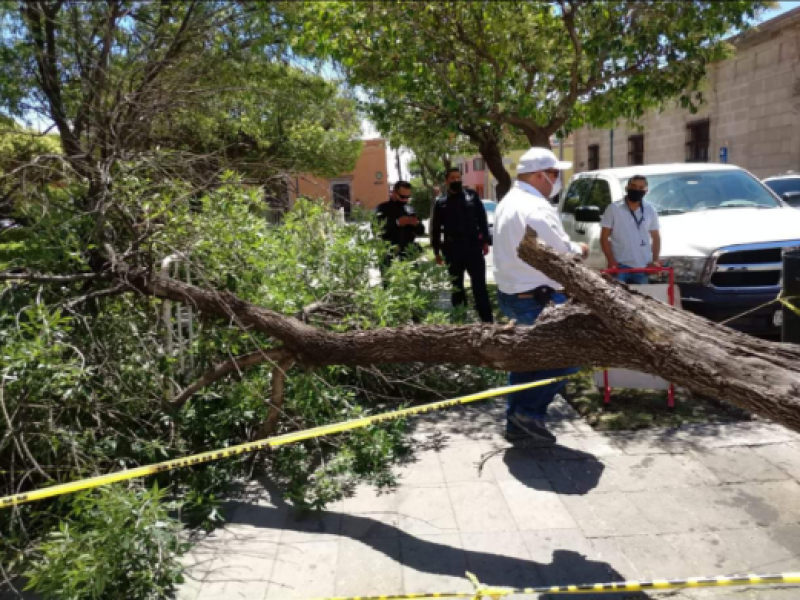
(698, 500)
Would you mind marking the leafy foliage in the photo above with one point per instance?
(204, 85)
(115, 543)
(84, 385)
(476, 68)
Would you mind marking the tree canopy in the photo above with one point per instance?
(539, 67)
(120, 79)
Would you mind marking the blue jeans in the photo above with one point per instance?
(532, 402)
(632, 278)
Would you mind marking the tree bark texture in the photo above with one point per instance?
(493, 157)
(605, 325)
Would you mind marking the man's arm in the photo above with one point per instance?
(550, 230)
(483, 222)
(605, 244)
(436, 229)
(419, 228)
(389, 226)
(655, 235)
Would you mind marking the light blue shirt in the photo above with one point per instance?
(630, 232)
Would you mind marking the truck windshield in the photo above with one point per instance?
(677, 193)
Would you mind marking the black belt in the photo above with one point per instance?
(542, 294)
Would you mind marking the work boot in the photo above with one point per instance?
(520, 424)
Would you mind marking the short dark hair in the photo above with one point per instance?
(401, 184)
(639, 178)
(452, 170)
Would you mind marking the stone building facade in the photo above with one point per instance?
(751, 117)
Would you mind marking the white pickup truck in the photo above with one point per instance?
(722, 230)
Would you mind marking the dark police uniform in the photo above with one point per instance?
(459, 230)
(401, 238)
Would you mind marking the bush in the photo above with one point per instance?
(85, 387)
(115, 543)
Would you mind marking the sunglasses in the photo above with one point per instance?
(402, 197)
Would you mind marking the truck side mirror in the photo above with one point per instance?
(792, 198)
(588, 214)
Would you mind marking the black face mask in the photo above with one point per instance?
(636, 195)
(456, 187)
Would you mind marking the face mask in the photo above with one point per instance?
(456, 187)
(636, 195)
(556, 189)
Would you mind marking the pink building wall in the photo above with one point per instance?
(473, 178)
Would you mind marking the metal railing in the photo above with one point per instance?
(177, 320)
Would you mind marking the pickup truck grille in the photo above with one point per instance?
(749, 267)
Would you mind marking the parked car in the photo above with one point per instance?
(490, 206)
(722, 230)
(787, 187)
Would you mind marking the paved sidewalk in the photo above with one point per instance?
(700, 500)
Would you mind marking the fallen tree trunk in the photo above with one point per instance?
(606, 325)
(707, 358)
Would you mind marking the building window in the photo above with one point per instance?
(636, 150)
(594, 157)
(698, 136)
(466, 168)
(478, 164)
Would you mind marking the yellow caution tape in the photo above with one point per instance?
(790, 306)
(781, 298)
(600, 588)
(273, 442)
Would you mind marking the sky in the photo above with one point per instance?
(782, 8)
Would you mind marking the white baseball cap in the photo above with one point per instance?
(539, 159)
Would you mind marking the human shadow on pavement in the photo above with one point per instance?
(424, 555)
(552, 468)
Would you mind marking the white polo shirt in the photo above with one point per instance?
(630, 235)
(524, 206)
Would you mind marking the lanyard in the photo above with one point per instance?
(635, 220)
(638, 222)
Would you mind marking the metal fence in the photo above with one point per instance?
(177, 322)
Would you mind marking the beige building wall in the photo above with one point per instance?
(367, 182)
(752, 103)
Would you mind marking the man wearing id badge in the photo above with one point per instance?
(630, 235)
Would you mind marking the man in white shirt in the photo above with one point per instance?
(524, 292)
(630, 235)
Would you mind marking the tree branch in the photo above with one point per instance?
(40, 278)
(606, 327)
(707, 358)
(276, 397)
(222, 370)
(112, 291)
(46, 56)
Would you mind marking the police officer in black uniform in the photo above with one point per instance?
(399, 222)
(459, 217)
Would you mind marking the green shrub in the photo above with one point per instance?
(85, 387)
(115, 543)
